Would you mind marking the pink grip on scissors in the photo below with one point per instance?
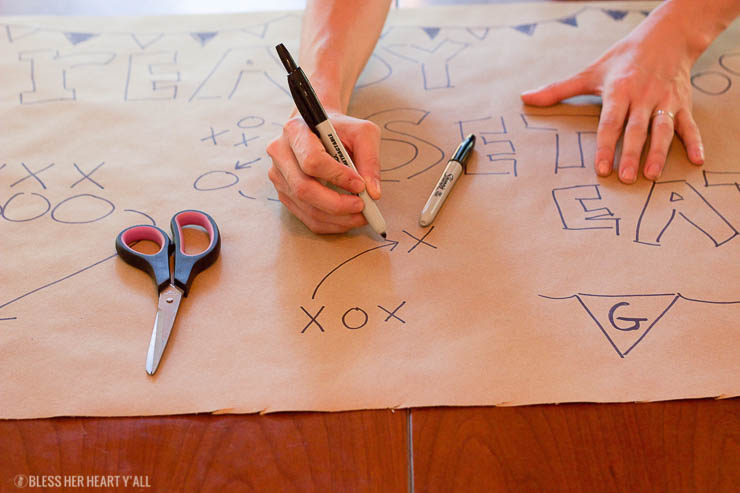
(143, 233)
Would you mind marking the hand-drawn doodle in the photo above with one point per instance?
(420, 241)
(313, 319)
(423, 152)
(499, 150)
(625, 320)
(711, 82)
(730, 62)
(222, 179)
(527, 29)
(49, 73)
(151, 76)
(73, 274)
(668, 199)
(78, 37)
(588, 142)
(86, 176)
(722, 179)
(392, 313)
(376, 71)
(575, 208)
(17, 32)
(57, 281)
(434, 60)
(203, 38)
(145, 40)
(83, 208)
(616, 14)
(353, 318)
(389, 243)
(238, 68)
(32, 174)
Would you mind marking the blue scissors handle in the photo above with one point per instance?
(187, 266)
(157, 265)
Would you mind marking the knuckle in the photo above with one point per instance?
(311, 164)
(292, 126)
(610, 122)
(273, 148)
(302, 191)
(340, 178)
(272, 174)
(370, 128)
(621, 86)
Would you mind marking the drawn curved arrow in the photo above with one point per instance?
(390, 243)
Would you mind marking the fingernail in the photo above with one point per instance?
(628, 175)
(698, 154)
(376, 182)
(652, 171)
(604, 167)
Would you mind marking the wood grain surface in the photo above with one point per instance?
(676, 446)
(349, 451)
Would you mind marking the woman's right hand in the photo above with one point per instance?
(301, 168)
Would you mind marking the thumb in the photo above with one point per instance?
(557, 91)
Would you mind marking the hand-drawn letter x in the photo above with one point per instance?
(419, 241)
(33, 174)
(392, 314)
(313, 319)
(86, 176)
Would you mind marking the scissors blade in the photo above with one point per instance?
(169, 302)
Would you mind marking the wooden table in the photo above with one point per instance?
(691, 445)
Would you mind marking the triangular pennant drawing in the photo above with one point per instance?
(431, 31)
(527, 29)
(19, 32)
(571, 21)
(77, 38)
(645, 12)
(675, 197)
(146, 40)
(203, 38)
(617, 15)
(479, 32)
(626, 320)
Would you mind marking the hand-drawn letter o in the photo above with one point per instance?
(4, 209)
(84, 208)
(711, 82)
(354, 327)
(215, 183)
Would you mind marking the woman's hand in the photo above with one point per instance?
(645, 84)
(301, 168)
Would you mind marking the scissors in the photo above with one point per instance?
(171, 285)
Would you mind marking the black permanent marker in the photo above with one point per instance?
(313, 113)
